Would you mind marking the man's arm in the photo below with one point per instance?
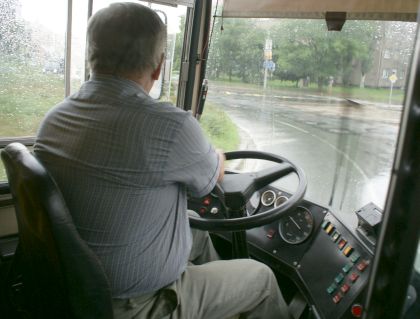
(193, 161)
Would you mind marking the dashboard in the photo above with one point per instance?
(327, 262)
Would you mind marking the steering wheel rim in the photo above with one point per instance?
(257, 220)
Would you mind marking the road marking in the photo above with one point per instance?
(295, 127)
(344, 154)
(358, 168)
(252, 94)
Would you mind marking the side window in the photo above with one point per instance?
(33, 54)
(32, 42)
(78, 45)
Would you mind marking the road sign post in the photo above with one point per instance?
(393, 78)
(268, 55)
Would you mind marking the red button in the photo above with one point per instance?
(337, 298)
(353, 277)
(270, 233)
(356, 310)
(344, 288)
(203, 210)
(362, 265)
(206, 201)
(342, 243)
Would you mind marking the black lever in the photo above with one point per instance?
(202, 99)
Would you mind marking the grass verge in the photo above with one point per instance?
(219, 128)
(378, 95)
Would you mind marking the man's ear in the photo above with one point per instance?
(156, 72)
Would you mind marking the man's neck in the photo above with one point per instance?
(145, 82)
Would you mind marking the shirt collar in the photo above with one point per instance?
(125, 83)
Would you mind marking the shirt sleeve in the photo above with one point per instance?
(192, 160)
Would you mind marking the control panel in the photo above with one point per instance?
(329, 264)
(335, 269)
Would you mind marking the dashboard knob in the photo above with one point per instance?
(214, 210)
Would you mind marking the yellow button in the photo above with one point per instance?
(329, 229)
(348, 251)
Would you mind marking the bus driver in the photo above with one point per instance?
(124, 161)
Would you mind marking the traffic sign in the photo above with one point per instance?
(269, 65)
(268, 44)
(393, 78)
(268, 54)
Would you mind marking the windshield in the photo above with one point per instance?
(328, 101)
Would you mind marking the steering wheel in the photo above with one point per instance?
(235, 190)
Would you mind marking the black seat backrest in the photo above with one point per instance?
(62, 277)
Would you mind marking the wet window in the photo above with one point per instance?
(31, 62)
(32, 42)
(32, 59)
(78, 67)
(329, 101)
(166, 88)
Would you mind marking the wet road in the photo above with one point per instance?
(345, 149)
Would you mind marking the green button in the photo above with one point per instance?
(339, 278)
(354, 257)
(347, 267)
(331, 288)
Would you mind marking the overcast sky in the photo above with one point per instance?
(52, 14)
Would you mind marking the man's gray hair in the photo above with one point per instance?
(125, 38)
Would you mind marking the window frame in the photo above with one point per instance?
(395, 255)
(187, 85)
(394, 258)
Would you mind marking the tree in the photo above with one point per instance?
(359, 41)
(306, 49)
(213, 62)
(302, 49)
(369, 41)
(14, 38)
(237, 50)
(179, 39)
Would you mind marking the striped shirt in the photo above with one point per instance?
(123, 162)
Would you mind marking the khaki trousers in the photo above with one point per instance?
(211, 289)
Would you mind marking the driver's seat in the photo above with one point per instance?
(61, 276)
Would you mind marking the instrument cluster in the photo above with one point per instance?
(296, 226)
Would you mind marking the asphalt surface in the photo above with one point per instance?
(345, 147)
